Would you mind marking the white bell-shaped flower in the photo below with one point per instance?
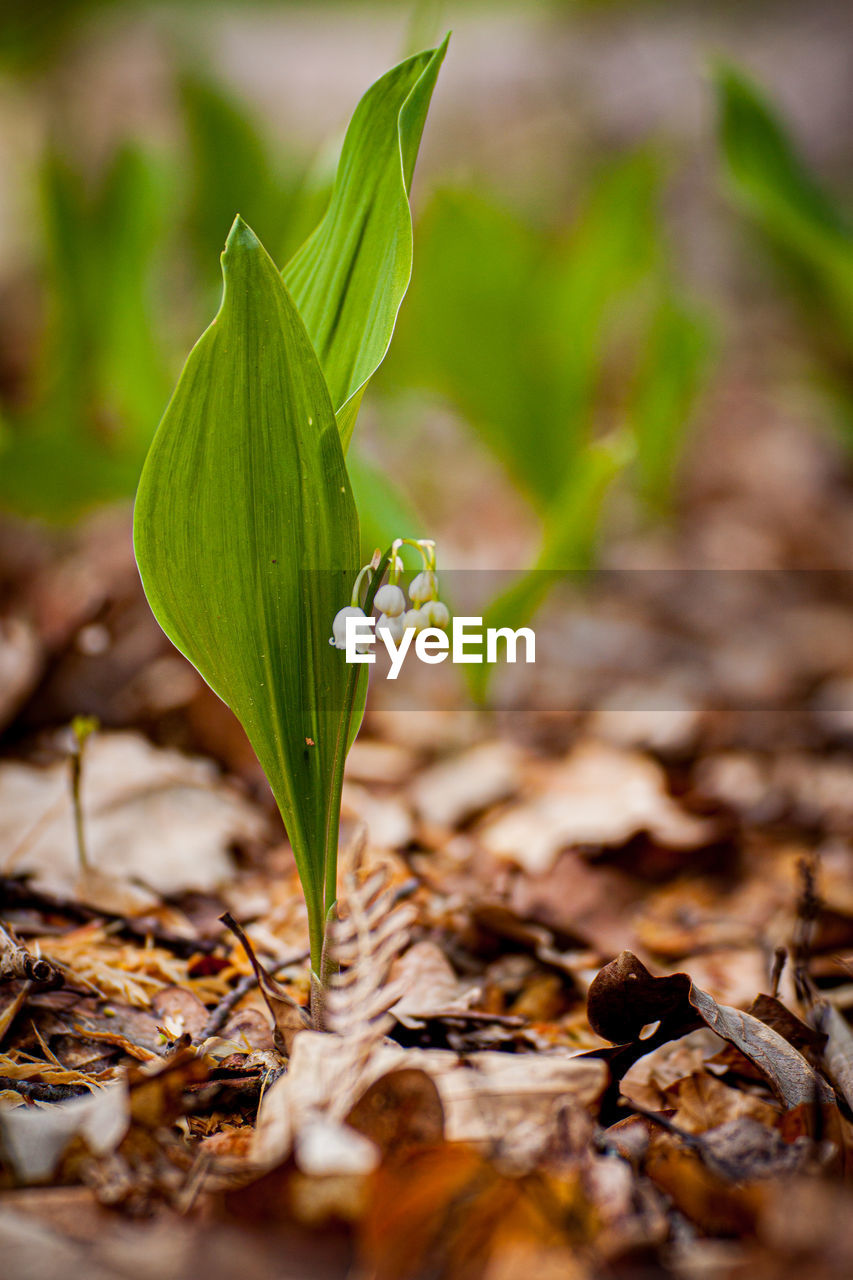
(393, 625)
(390, 601)
(339, 626)
(423, 587)
(438, 614)
(416, 618)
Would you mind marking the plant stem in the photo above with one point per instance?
(318, 920)
(81, 727)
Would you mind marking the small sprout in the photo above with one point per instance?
(390, 601)
(254, 439)
(82, 727)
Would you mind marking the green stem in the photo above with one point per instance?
(316, 932)
(333, 822)
(77, 802)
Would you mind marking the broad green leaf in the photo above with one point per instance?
(349, 278)
(677, 353)
(774, 185)
(246, 536)
(587, 291)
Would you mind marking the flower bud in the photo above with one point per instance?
(423, 587)
(416, 618)
(339, 626)
(438, 614)
(395, 626)
(390, 601)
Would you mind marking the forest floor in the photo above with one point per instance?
(596, 947)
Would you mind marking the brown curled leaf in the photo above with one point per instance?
(289, 1018)
(624, 997)
(771, 1010)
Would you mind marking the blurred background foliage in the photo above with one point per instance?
(551, 315)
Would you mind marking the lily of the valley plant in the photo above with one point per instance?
(245, 529)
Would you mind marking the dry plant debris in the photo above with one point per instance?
(592, 1006)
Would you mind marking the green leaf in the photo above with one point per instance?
(672, 370)
(586, 293)
(471, 322)
(246, 536)
(385, 511)
(349, 278)
(773, 184)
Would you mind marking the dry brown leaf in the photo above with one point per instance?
(151, 815)
(371, 760)
(582, 901)
(838, 1051)
(702, 1102)
(20, 663)
(34, 1139)
(771, 1010)
(387, 817)
(429, 985)
(599, 796)
(179, 1012)
(624, 998)
(511, 1226)
(702, 1195)
(465, 784)
(400, 1111)
(289, 1018)
(489, 1097)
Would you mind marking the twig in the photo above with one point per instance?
(780, 956)
(289, 1018)
(17, 962)
(808, 911)
(15, 891)
(244, 985)
(42, 1092)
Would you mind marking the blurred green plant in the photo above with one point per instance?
(808, 233)
(102, 374)
(568, 350)
(232, 165)
(100, 377)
